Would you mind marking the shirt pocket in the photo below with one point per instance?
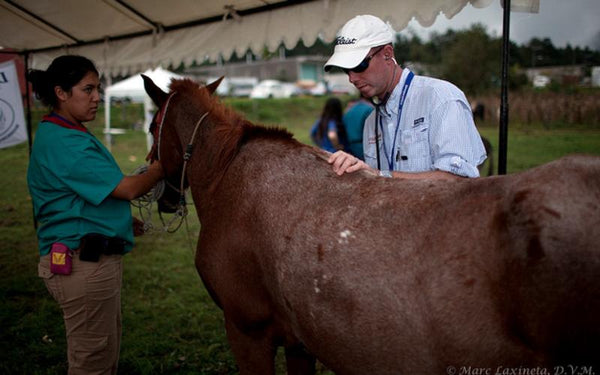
(370, 155)
(415, 155)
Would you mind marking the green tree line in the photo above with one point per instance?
(471, 58)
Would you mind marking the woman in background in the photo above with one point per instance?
(328, 131)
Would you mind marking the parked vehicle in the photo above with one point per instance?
(541, 81)
(310, 87)
(318, 90)
(235, 86)
(271, 88)
(340, 89)
(242, 89)
(290, 89)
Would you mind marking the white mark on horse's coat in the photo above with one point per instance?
(316, 282)
(344, 236)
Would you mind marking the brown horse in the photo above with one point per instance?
(383, 276)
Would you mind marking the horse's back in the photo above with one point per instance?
(507, 269)
(483, 271)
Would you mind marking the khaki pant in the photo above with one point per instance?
(90, 298)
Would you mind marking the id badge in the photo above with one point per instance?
(61, 259)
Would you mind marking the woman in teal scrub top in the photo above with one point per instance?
(81, 200)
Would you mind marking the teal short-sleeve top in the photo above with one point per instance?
(70, 177)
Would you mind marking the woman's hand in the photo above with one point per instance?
(132, 187)
(156, 168)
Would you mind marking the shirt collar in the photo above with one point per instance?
(391, 106)
(61, 121)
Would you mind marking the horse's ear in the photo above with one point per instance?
(157, 95)
(213, 86)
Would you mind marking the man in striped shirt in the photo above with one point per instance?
(421, 128)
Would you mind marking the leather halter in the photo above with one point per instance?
(154, 153)
(156, 130)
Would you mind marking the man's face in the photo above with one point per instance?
(373, 81)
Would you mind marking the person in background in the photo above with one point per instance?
(81, 201)
(422, 127)
(328, 131)
(354, 122)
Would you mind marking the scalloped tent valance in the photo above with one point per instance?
(126, 37)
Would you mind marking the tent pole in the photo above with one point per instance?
(107, 135)
(28, 102)
(29, 126)
(503, 136)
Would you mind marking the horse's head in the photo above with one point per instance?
(167, 146)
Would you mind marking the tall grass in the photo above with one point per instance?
(546, 109)
(171, 326)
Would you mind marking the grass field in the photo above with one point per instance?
(171, 326)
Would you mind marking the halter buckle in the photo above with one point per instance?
(188, 152)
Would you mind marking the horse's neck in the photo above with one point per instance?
(214, 148)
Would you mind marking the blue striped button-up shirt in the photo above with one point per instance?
(436, 130)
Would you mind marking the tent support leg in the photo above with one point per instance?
(29, 125)
(503, 136)
(28, 103)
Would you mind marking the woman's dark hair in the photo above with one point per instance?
(65, 71)
(332, 111)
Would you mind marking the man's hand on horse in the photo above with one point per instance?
(343, 162)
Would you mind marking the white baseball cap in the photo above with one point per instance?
(356, 38)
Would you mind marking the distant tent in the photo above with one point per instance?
(133, 88)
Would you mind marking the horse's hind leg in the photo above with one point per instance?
(299, 361)
(255, 354)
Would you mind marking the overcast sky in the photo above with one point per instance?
(563, 21)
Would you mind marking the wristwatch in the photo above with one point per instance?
(385, 174)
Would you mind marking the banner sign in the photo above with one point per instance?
(12, 121)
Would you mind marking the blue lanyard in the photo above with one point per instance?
(390, 157)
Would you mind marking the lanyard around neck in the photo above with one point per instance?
(390, 157)
(61, 121)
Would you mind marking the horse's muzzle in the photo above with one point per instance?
(166, 206)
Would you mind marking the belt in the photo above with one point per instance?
(94, 244)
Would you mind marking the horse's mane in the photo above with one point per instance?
(224, 116)
(233, 129)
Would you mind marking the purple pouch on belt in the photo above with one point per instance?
(61, 259)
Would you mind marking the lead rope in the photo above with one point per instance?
(144, 203)
(182, 210)
(144, 206)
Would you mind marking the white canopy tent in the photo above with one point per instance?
(133, 88)
(126, 37)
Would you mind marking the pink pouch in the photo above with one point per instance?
(61, 259)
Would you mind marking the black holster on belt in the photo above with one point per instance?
(94, 244)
